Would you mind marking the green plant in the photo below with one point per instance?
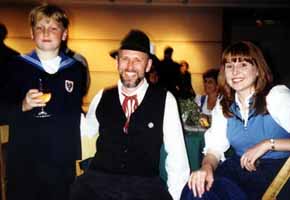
(190, 112)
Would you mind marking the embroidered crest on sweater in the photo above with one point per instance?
(69, 86)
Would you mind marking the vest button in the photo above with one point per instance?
(125, 148)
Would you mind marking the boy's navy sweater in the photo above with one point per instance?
(49, 140)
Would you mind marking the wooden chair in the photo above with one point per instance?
(2, 175)
(88, 151)
(3, 139)
(278, 182)
(79, 171)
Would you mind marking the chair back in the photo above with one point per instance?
(278, 182)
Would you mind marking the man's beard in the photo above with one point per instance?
(130, 84)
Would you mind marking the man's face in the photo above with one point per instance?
(132, 66)
(48, 34)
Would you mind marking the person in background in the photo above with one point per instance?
(207, 102)
(152, 76)
(133, 119)
(44, 138)
(6, 54)
(183, 85)
(248, 117)
(168, 71)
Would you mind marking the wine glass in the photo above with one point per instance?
(45, 97)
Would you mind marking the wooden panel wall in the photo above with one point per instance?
(194, 33)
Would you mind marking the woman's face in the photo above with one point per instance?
(241, 76)
(183, 68)
(210, 85)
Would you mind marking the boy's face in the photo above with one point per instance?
(48, 34)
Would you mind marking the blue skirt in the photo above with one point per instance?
(234, 183)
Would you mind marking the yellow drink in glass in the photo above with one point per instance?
(45, 97)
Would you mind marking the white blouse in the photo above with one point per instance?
(204, 108)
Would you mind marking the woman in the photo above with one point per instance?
(207, 102)
(253, 118)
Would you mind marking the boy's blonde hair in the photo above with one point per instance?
(49, 11)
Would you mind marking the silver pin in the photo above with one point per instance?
(150, 125)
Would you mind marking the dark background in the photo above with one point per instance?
(269, 28)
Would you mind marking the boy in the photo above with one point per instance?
(44, 139)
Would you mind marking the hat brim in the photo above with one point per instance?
(114, 54)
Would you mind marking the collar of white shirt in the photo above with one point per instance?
(244, 112)
(51, 66)
(140, 92)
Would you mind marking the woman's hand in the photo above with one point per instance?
(201, 180)
(31, 100)
(250, 157)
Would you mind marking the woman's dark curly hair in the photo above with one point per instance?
(245, 51)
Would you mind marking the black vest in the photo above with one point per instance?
(138, 152)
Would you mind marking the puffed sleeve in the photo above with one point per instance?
(278, 105)
(216, 141)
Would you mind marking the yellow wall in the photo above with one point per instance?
(194, 33)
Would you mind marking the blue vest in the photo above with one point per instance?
(259, 127)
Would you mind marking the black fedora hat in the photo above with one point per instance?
(135, 40)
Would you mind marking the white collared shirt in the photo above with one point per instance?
(176, 162)
(278, 105)
(51, 66)
(244, 111)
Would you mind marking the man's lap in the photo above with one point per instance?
(99, 185)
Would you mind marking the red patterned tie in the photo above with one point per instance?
(129, 105)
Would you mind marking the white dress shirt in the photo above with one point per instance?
(278, 105)
(176, 162)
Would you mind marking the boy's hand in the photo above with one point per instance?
(31, 100)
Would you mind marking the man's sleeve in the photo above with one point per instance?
(90, 124)
(176, 162)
